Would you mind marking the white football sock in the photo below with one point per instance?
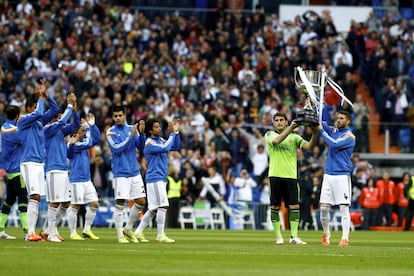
(325, 219)
(133, 216)
(89, 217)
(149, 215)
(161, 214)
(345, 221)
(118, 218)
(72, 220)
(32, 214)
(51, 218)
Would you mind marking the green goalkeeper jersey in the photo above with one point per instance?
(283, 157)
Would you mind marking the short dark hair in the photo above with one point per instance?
(118, 108)
(280, 114)
(31, 100)
(149, 124)
(346, 113)
(12, 111)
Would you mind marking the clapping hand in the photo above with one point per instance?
(40, 90)
(141, 126)
(176, 125)
(71, 99)
(74, 139)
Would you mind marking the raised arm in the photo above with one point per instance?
(96, 135)
(140, 142)
(309, 145)
(275, 140)
(343, 141)
(152, 147)
(72, 127)
(176, 125)
(52, 112)
(115, 144)
(28, 119)
(71, 145)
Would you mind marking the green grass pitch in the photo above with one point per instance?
(211, 252)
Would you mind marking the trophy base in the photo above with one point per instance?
(307, 117)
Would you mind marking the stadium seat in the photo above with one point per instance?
(187, 215)
(203, 213)
(248, 219)
(407, 13)
(404, 139)
(217, 218)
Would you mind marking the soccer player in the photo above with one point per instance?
(156, 153)
(281, 146)
(123, 140)
(33, 157)
(82, 189)
(336, 184)
(57, 185)
(12, 150)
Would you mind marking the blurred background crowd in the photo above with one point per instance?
(223, 73)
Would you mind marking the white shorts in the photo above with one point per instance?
(128, 187)
(57, 186)
(83, 193)
(336, 189)
(157, 195)
(34, 176)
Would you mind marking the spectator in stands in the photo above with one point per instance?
(174, 192)
(99, 167)
(399, 64)
(359, 181)
(216, 180)
(343, 53)
(401, 198)
(260, 163)
(243, 185)
(396, 107)
(409, 193)
(220, 142)
(306, 35)
(305, 184)
(361, 124)
(372, 23)
(238, 151)
(386, 188)
(370, 203)
(342, 69)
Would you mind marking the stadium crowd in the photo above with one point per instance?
(224, 80)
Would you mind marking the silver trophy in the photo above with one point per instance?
(312, 84)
